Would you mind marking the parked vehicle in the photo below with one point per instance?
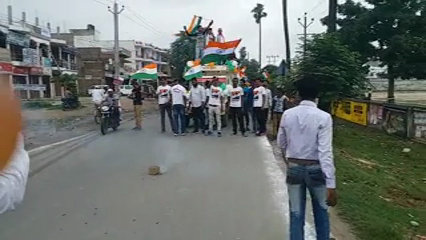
(109, 119)
(70, 103)
(94, 86)
(126, 90)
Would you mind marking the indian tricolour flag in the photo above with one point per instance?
(147, 72)
(195, 71)
(216, 51)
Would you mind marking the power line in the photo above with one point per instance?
(138, 23)
(151, 25)
(102, 3)
(316, 6)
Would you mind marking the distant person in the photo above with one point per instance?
(268, 102)
(179, 98)
(97, 95)
(259, 102)
(207, 86)
(305, 138)
(248, 106)
(197, 98)
(215, 108)
(136, 95)
(236, 102)
(279, 105)
(164, 104)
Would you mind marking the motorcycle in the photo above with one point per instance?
(109, 119)
(70, 103)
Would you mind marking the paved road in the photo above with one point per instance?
(212, 189)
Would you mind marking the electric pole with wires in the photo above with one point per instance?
(116, 12)
(305, 26)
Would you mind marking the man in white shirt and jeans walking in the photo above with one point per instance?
(235, 101)
(197, 98)
(163, 93)
(178, 94)
(305, 137)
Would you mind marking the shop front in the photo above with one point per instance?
(5, 72)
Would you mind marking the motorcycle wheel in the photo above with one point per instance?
(104, 126)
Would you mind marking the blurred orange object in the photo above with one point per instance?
(10, 123)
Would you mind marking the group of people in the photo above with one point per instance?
(207, 103)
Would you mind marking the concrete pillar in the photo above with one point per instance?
(69, 61)
(27, 81)
(39, 54)
(40, 82)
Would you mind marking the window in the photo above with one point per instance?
(16, 53)
(2, 40)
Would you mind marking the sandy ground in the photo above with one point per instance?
(43, 126)
(416, 97)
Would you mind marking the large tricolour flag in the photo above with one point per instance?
(147, 72)
(196, 71)
(216, 51)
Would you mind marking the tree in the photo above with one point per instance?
(258, 14)
(252, 69)
(338, 69)
(271, 69)
(286, 35)
(68, 81)
(392, 32)
(182, 51)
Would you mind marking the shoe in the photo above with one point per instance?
(219, 134)
(208, 133)
(175, 135)
(244, 134)
(195, 131)
(183, 134)
(136, 128)
(234, 133)
(163, 131)
(258, 133)
(248, 129)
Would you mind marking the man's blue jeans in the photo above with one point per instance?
(300, 178)
(179, 114)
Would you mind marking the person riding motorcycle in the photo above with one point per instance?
(112, 100)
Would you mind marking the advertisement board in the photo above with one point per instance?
(351, 111)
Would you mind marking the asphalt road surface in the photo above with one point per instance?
(212, 189)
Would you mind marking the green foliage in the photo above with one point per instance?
(68, 81)
(252, 69)
(339, 70)
(393, 32)
(182, 51)
(271, 69)
(258, 12)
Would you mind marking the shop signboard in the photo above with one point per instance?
(38, 71)
(6, 67)
(30, 87)
(20, 70)
(351, 111)
(18, 39)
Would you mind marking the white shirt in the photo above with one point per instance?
(13, 179)
(98, 95)
(207, 94)
(163, 93)
(236, 97)
(306, 132)
(178, 94)
(268, 95)
(258, 94)
(197, 96)
(215, 95)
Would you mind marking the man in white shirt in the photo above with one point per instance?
(178, 95)
(236, 102)
(259, 103)
(163, 93)
(197, 98)
(215, 100)
(268, 103)
(305, 136)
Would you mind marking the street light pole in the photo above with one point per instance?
(116, 12)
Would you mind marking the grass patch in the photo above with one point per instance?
(381, 188)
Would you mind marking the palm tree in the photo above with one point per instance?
(258, 14)
(286, 35)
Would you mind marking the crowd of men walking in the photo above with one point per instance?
(208, 105)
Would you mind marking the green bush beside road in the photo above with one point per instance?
(382, 188)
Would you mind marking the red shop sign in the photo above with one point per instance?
(36, 71)
(20, 70)
(6, 67)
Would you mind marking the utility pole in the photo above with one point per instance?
(332, 16)
(305, 26)
(116, 12)
(274, 57)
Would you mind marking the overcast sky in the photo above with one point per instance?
(169, 16)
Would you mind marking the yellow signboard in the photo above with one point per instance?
(351, 111)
